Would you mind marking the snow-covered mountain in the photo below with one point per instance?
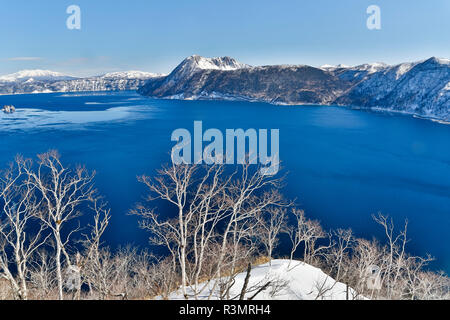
(421, 88)
(130, 75)
(330, 67)
(34, 75)
(196, 62)
(38, 81)
(188, 69)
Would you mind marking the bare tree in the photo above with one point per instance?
(152, 276)
(63, 192)
(247, 196)
(172, 184)
(365, 254)
(336, 262)
(90, 260)
(427, 285)
(214, 208)
(308, 233)
(198, 199)
(339, 254)
(270, 224)
(109, 276)
(19, 209)
(402, 274)
(42, 275)
(295, 235)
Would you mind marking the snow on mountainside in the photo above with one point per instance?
(329, 67)
(294, 280)
(196, 63)
(370, 67)
(187, 70)
(419, 88)
(43, 81)
(357, 73)
(222, 63)
(39, 75)
(130, 75)
(416, 88)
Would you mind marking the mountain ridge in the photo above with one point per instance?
(35, 74)
(46, 81)
(421, 88)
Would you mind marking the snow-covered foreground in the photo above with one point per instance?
(294, 280)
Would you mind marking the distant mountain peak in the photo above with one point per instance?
(371, 67)
(130, 75)
(195, 63)
(220, 63)
(35, 74)
(329, 66)
(437, 60)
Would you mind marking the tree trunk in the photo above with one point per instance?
(182, 253)
(247, 278)
(58, 269)
(23, 292)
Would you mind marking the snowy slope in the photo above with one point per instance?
(303, 282)
(420, 88)
(357, 73)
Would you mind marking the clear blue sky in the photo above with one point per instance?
(155, 36)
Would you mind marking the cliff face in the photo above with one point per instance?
(421, 88)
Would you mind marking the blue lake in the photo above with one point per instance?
(343, 165)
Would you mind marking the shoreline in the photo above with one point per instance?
(246, 99)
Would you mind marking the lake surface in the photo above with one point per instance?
(343, 165)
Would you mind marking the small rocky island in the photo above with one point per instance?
(9, 109)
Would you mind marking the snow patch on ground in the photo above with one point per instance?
(293, 280)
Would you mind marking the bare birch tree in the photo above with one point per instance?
(172, 184)
(249, 194)
(19, 209)
(270, 224)
(63, 192)
(42, 276)
(308, 233)
(339, 254)
(214, 208)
